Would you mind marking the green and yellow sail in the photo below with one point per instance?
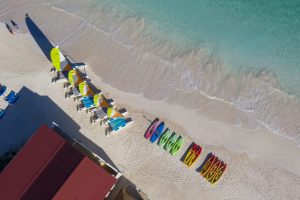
(59, 61)
(74, 78)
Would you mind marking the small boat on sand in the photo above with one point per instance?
(213, 180)
(213, 169)
(208, 164)
(177, 146)
(192, 155)
(152, 128)
(171, 141)
(157, 132)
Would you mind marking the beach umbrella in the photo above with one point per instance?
(116, 119)
(74, 77)
(85, 89)
(59, 61)
(114, 113)
(100, 101)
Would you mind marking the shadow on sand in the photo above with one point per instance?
(40, 38)
(44, 110)
(30, 111)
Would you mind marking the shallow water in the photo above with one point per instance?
(231, 61)
(246, 35)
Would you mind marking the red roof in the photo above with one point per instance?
(88, 182)
(48, 166)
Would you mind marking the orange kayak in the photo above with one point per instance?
(213, 180)
(192, 155)
(214, 168)
(208, 164)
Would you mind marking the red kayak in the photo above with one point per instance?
(208, 164)
(214, 168)
(218, 174)
(152, 128)
(192, 155)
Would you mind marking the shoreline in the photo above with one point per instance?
(235, 139)
(248, 100)
(261, 165)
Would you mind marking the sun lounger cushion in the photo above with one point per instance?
(88, 102)
(116, 123)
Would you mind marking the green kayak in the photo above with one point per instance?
(177, 146)
(171, 142)
(164, 138)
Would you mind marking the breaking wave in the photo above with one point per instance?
(124, 53)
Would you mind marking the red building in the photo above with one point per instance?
(49, 167)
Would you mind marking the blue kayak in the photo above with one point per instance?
(157, 132)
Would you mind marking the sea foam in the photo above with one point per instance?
(124, 53)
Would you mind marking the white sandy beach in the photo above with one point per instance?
(261, 165)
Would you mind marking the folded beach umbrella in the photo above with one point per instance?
(59, 61)
(85, 89)
(114, 113)
(2, 113)
(100, 101)
(74, 77)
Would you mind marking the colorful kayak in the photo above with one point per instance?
(152, 128)
(213, 169)
(157, 132)
(164, 138)
(177, 146)
(190, 152)
(171, 142)
(208, 164)
(192, 155)
(218, 174)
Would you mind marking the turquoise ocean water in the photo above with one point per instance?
(246, 35)
(216, 57)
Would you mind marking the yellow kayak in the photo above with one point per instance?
(192, 155)
(213, 180)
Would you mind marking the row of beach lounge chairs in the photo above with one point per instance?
(211, 169)
(91, 99)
